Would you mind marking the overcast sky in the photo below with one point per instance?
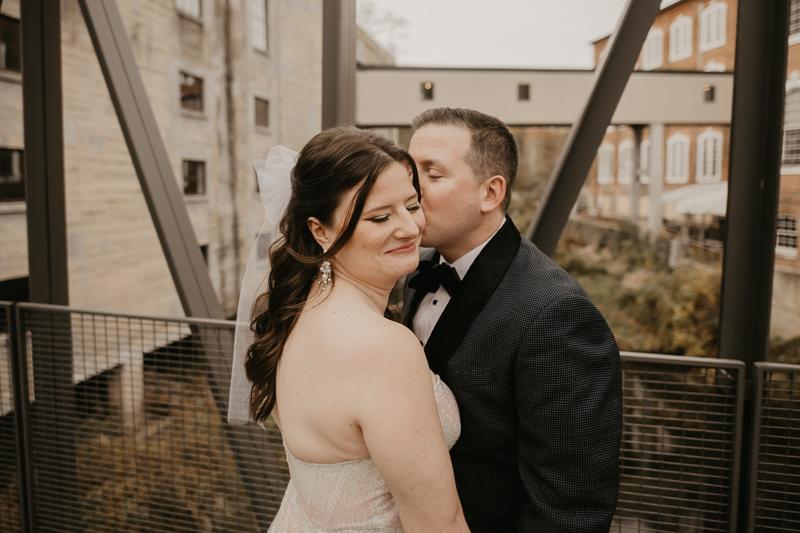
(496, 33)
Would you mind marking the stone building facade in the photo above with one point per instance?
(226, 81)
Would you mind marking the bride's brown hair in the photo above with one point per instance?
(331, 164)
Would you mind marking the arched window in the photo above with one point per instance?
(677, 159)
(713, 26)
(787, 235)
(605, 164)
(653, 49)
(625, 162)
(709, 156)
(791, 128)
(644, 162)
(680, 38)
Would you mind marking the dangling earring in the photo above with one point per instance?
(326, 275)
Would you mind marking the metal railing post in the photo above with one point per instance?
(19, 377)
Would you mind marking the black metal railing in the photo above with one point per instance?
(115, 423)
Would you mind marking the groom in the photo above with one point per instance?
(531, 361)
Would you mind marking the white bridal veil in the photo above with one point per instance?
(275, 185)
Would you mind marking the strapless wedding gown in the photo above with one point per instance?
(350, 496)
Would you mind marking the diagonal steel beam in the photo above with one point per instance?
(587, 132)
(150, 159)
(175, 231)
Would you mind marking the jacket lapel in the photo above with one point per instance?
(476, 288)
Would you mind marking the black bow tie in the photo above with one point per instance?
(433, 275)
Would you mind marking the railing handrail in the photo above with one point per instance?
(682, 360)
(117, 314)
(764, 366)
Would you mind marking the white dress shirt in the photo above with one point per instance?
(432, 305)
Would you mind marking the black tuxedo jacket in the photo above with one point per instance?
(536, 373)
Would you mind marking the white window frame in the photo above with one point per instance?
(794, 23)
(605, 164)
(677, 159)
(193, 8)
(259, 25)
(709, 143)
(785, 219)
(681, 38)
(789, 125)
(715, 66)
(713, 26)
(625, 162)
(653, 49)
(644, 162)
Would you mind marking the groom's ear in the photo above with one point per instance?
(320, 233)
(494, 192)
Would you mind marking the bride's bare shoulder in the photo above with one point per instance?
(382, 344)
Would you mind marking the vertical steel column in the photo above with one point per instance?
(338, 63)
(587, 132)
(47, 260)
(44, 151)
(636, 186)
(656, 186)
(753, 190)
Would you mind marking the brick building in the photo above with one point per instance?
(700, 35)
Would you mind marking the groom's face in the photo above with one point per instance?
(450, 192)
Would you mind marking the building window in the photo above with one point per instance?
(191, 92)
(262, 112)
(794, 21)
(791, 129)
(681, 38)
(715, 66)
(709, 156)
(194, 178)
(653, 49)
(713, 26)
(605, 164)
(10, 44)
(427, 90)
(523, 91)
(787, 235)
(189, 7)
(644, 162)
(625, 162)
(677, 159)
(258, 25)
(12, 175)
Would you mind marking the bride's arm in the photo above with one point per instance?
(401, 428)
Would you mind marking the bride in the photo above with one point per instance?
(366, 425)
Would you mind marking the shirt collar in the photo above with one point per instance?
(463, 263)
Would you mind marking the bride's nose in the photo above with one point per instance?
(407, 227)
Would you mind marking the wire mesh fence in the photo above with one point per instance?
(679, 457)
(776, 448)
(128, 432)
(123, 429)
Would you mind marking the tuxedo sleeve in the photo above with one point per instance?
(568, 389)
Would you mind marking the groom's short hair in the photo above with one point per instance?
(493, 150)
